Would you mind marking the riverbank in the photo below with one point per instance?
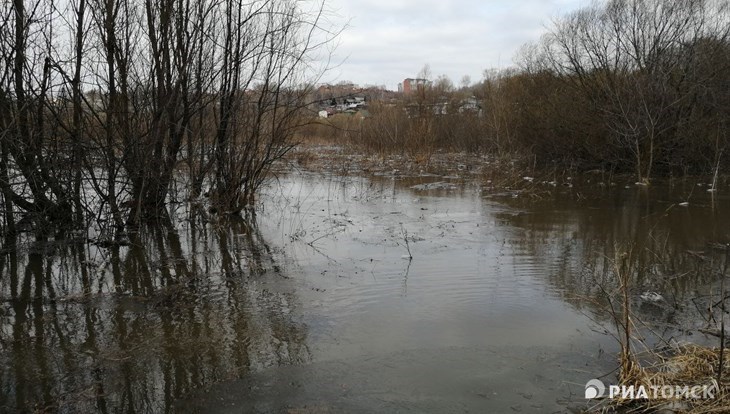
(497, 173)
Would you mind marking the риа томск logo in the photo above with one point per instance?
(595, 388)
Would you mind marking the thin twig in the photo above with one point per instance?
(405, 237)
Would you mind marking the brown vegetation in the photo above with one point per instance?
(635, 86)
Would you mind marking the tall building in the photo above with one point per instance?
(411, 85)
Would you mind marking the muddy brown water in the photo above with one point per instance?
(314, 306)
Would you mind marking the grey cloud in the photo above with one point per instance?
(389, 40)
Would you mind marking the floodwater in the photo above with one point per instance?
(360, 294)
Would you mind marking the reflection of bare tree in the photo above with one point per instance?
(671, 254)
(132, 328)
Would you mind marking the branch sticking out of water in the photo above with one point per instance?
(405, 238)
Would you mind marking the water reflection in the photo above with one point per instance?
(131, 328)
(677, 250)
(317, 288)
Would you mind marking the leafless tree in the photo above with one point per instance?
(635, 61)
(103, 99)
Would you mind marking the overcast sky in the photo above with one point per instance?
(389, 40)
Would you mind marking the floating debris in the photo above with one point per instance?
(439, 185)
(651, 297)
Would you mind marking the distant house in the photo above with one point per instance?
(470, 105)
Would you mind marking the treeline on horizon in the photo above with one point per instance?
(639, 86)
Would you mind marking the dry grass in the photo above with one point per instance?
(500, 174)
(684, 365)
(676, 365)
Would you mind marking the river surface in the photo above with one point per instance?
(360, 294)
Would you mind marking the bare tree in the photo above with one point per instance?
(262, 95)
(96, 122)
(632, 60)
